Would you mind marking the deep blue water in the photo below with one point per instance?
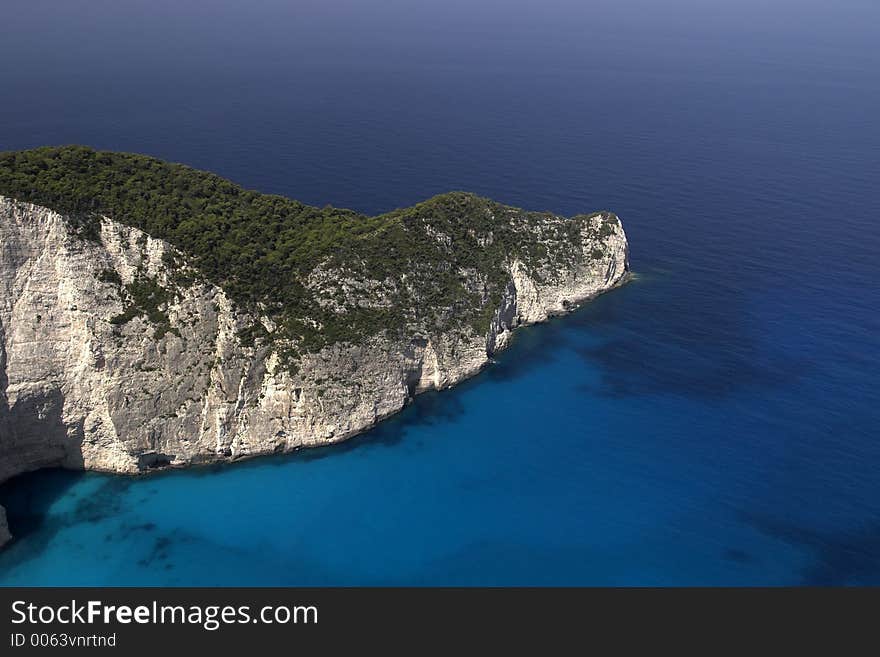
(714, 422)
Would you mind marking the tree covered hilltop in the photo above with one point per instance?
(320, 275)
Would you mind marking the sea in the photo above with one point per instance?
(713, 422)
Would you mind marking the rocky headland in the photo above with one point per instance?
(134, 337)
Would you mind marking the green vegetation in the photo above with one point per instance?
(439, 264)
(144, 296)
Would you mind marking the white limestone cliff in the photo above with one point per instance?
(77, 391)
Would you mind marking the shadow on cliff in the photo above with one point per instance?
(43, 445)
(37, 437)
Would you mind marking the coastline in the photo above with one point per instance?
(250, 408)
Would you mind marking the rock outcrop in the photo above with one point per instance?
(78, 390)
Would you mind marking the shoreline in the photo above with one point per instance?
(224, 462)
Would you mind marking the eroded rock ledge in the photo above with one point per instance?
(78, 390)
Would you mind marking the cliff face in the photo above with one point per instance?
(78, 390)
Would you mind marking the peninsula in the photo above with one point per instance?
(153, 315)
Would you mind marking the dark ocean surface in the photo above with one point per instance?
(714, 422)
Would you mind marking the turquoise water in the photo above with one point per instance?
(713, 422)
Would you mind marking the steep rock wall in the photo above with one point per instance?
(80, 391)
